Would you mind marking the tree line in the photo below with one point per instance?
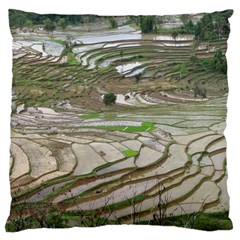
(210, 26)
(21, 19)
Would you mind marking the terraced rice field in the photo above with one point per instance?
(70, 150)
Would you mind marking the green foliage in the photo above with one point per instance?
(219, 62)
(109, 99)
(133, 19)
(121, 54)
(49, 25)
(59, 41)
(145, 126)
(181, 68)
(213, 221)
(71, 58)
(42, 215)
(62, 23)
(147, 24)
(174, 35)
(19, 18)
(130, 153)
(185, 18)
(213, 26)
(193, 59)
(113, 22)
(210, 26)
(189, 27)
(103, 69)
(67, 51)
(29, 24)
(92, 18)
(204, 221)
(200, 90)
(148, 124)
(138, 77)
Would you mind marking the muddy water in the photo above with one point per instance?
(135, 72)
(39, 48)
(118, 36)
(93, 38)
(127, 67)
(126, 33)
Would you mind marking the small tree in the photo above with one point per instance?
(121, 55)
(160, 215)
(200, 90)
(109, 99)
(189, 26)
(181, 69)
(138, 77)
(29, 24)
(62, 23)
(174, 35)
(113, 22)
(147, 24)
(194, 60)
(49, 25)
(185, 18)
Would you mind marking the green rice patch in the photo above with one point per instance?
(130, 153)
(147, 124)
(71, 59)
(112, 128)
(145, 127)
(103, 69)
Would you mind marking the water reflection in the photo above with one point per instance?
(127, 67)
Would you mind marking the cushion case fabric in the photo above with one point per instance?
(119, 120)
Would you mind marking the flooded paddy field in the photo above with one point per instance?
(161, 142)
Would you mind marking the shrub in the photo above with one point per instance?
(109, 99)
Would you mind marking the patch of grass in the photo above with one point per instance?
(147, 124)
(136, 129)
(205, 221)
(213, 221)
(145, 127)
(90, 116)
(71, 59)
(59, 41)
(103, 69)
(130, 153)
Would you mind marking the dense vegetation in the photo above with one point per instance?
(217, 63)
(159, 87)
(109, 99)
(21, 19)
(147, 24)
(113, 22)
(210, 26)
(47, 216)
